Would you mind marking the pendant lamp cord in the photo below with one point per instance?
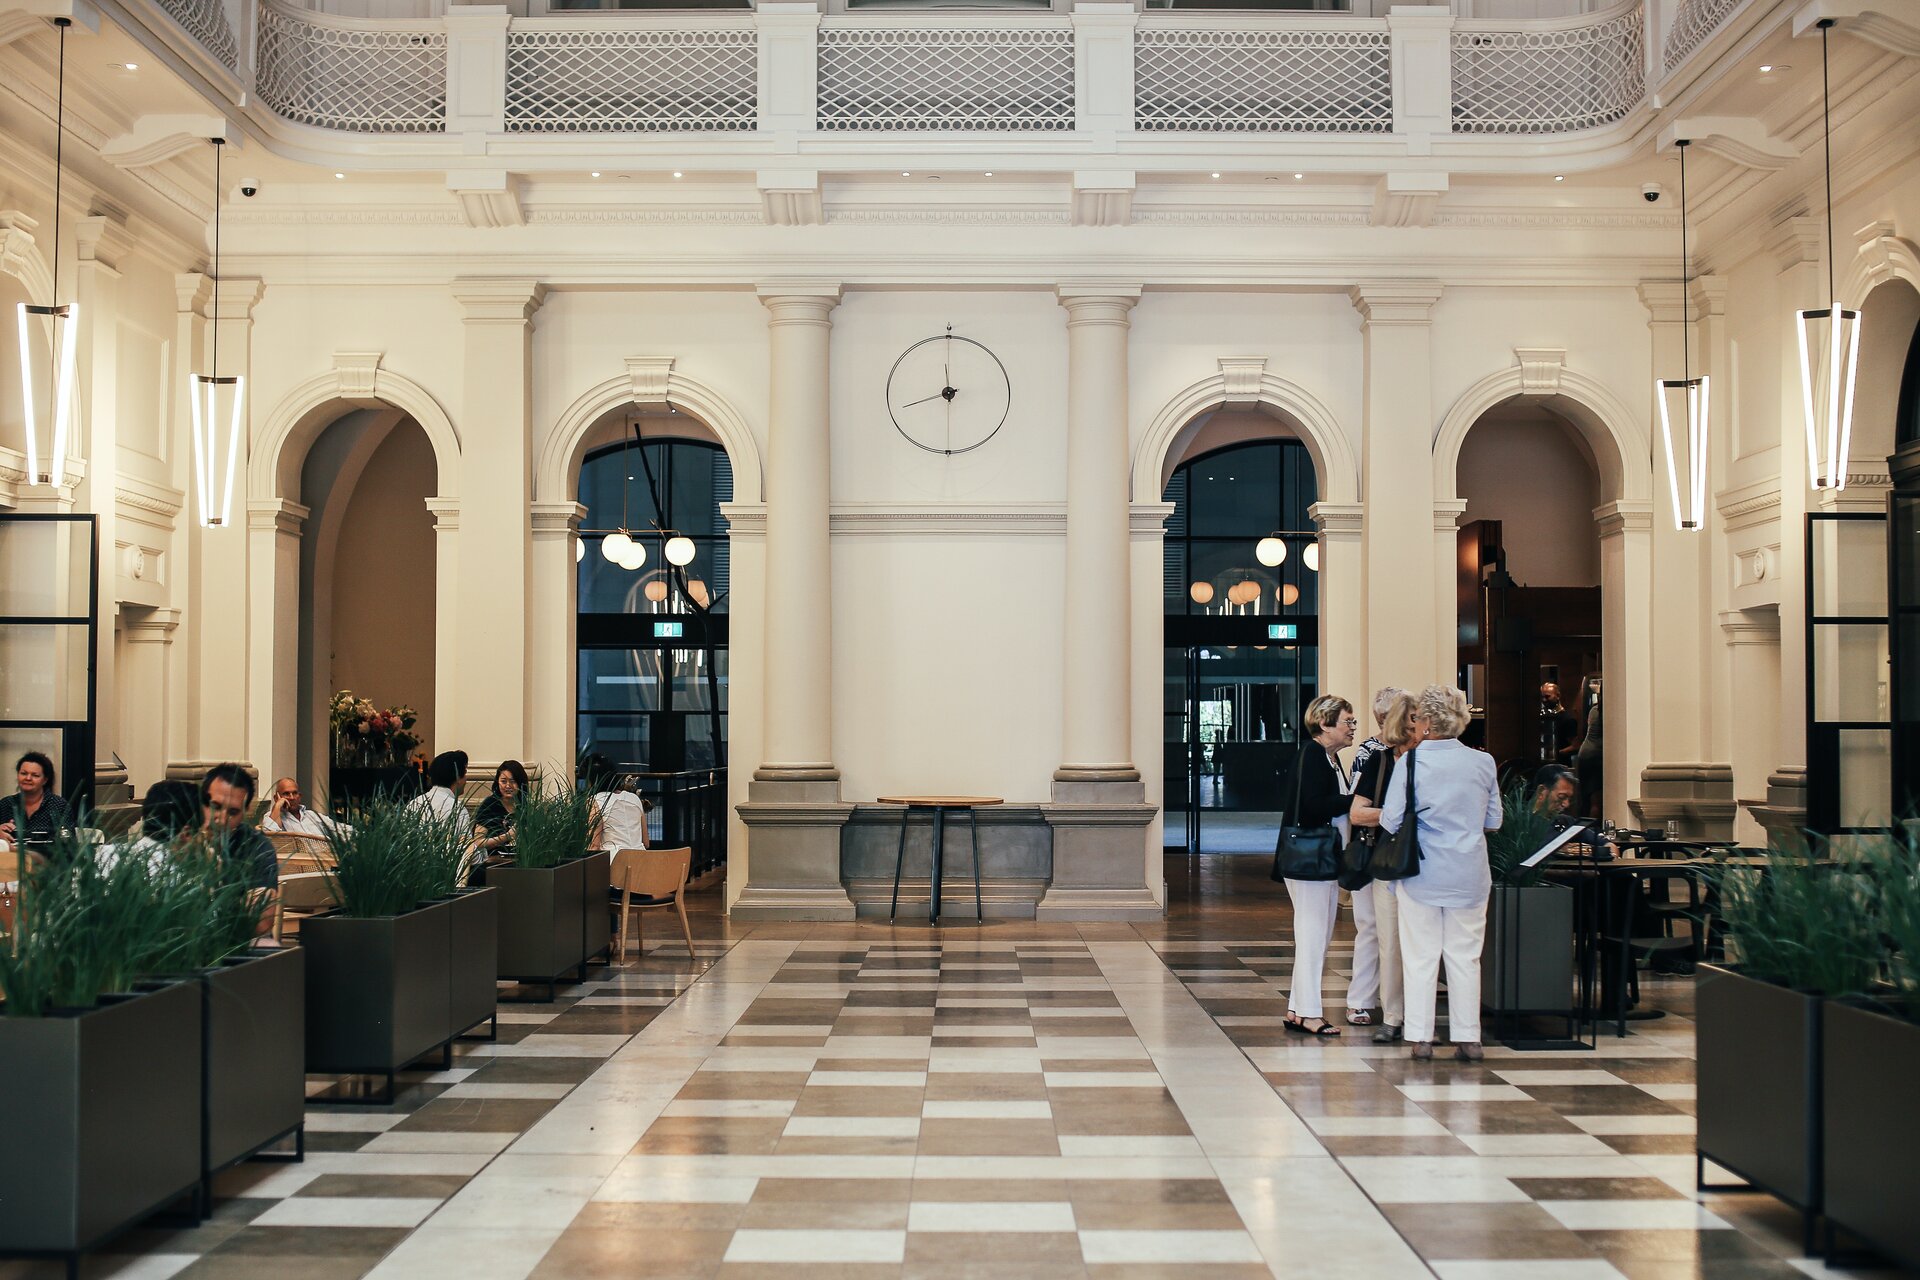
(1686, 320)
(1826, 131)
(59, 143)
(219, 144)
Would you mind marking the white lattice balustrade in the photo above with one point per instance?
(1002, 75)
(1319, 79)
(370, 76)
(1696, 20)
(1549, 77)
(206, 21)
(568, 77)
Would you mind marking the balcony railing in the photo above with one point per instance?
(1695, 21)
(1558, 77)
(206, 21)
(1329, 77)
(785, 69)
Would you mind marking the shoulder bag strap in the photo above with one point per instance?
(1299, 767)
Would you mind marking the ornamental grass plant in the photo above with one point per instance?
(380, 864)
(1804, 922)
(1894, 862)
(552, 823)
(1523, 829)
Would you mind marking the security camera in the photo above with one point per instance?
(249, 187)
(1651, 191)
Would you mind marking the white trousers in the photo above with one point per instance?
(1315, 903)
(1379, 929)
(1427, 936)
(1365, 987)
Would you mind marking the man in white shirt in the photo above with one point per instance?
(286, 814)
(623, 815)
(448, 774)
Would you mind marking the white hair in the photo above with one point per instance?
(1446, 710)
(1383, 700)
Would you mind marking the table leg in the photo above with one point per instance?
(973, 822)
(899, 860)
(939, 830)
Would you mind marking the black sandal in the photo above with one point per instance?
(1326, 1030)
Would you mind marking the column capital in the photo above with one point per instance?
(498, 299)
(554, 519)
(1338, 520)
(1751, 626)
(446, 514)
(191, 293)
(1097, 303)
(1795, 241)
(1662, 299)
(280, 515)
(1625, 516)
(1447, 513)
(1149, 519)
(745, 519)
(101, 239)
(1395, 302)
(235, 299)
(1708, 295)
(799, 301)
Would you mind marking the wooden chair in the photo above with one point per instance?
(9, 888)
(302, 894)
(299, 854)
(647, 878)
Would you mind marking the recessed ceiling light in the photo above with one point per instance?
(1298, 176)
(1559, 177)
(678, 174)
(1271, 178)
(340, 175)
(1216, 175)
(933, 177)
(906, 173)
(127, 66)
(1766, 67)
(989, 173)
(596, 173)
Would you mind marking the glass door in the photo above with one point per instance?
(1849, 674)
(1232, 717)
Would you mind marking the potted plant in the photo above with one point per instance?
(1870, 1112)
(380, 966)
(1800, 930)
(550, 887)
(107, 1069)
(1529, 922)
(445, 857)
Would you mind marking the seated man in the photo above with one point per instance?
(1553, 791)
(226, 793)
(286, 814)
(448, 774)
(167, 810)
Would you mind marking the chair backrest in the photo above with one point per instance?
(291, 844)
(652, 873)
(10, 866)
(307, 891)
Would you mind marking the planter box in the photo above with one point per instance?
(377, 990)
(1759, 1083)
(106, 1123)
(598, 869)
(1529, 965)
(255, 1081)
(542, 920)
(1872, 1128)
(475, 946)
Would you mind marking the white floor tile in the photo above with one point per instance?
(647, 1189)
(514, 1200)
(437, 1142)
(466, 1253)
(533, 1090)
(870, 1079)
(817, 1246)
(1672, 1091)
(1376, 1126)
(1099, 1247)
(1527, 1076)
(993, 1215)
(1529, 1269)
(1536, 1144)
(1419, 1092)
(1622, 1126)
(151, 1266)
(1128, 1145)
(351, 1121)
(763, 1107)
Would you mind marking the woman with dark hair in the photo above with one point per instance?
(496, 811)
(36, 812)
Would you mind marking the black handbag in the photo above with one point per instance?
(1396, 854)
(1305, 853)
(1355, 874)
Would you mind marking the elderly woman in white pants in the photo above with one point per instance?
(1400, 732)
(1443, 908)
(1321, 800)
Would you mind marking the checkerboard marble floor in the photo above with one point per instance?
(1006, 1100)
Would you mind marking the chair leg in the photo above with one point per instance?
(899, 861)
(685, 931)
(973, 823)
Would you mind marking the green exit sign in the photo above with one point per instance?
(1282, 631)
(669, 630)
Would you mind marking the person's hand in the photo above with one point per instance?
(6, 829)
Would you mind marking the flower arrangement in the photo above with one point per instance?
(366, 735)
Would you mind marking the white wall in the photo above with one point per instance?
(1532, 472)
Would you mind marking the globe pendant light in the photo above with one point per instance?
(219, 404)
(679, 550)
(1829, 344)
(1271, 551)
(47, 457)
(1683, 403)
(620, 547)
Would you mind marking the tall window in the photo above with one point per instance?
(1224, 502)
(675, 485)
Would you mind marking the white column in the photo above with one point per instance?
(799, 669)
(192, 295)
(1626, 649)
(100, 242)
(274, 528)
(553, 604)
(446, 618)
(1095, 737)
(1397, 466)
(1447, 513)
(1343, 650)
(488, 707)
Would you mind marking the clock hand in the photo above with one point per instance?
(946, 393)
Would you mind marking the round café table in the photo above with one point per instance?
(937, 806)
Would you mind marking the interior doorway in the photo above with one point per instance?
(1240, 610)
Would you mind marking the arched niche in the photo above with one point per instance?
(1243, 387)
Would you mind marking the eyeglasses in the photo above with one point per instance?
(1349, 723)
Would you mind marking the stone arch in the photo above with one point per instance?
(1883, 284)
(1619, 442)
(1245, 383)
(357, 381)
(648, 380)
(1882, 257)
(20, 256)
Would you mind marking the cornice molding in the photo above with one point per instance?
(556, 519)
(745, 519)
(1338, 520)
(644, 217)
(1447, 513)
(502, 300)
(133, 493)
(1027, 519)
(1556, 220)
(1749, 505)
(1622, 517)
(446, 514)
(277, 515)
(1147, 519)
(1750, 626)
(1395, 303)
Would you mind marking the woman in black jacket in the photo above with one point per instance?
(1324, 800)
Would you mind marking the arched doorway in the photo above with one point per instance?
(369, 579)
(1241, 649)
(654, 583)
(1528, 589)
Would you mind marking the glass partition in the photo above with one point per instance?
(1849, 674)
(49, 605)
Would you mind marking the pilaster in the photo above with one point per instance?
(1751, 643)
(1342, 665)
(99, 243)
(1626, 650)
(274, 527)
(551, 655)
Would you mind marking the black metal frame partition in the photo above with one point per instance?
(1825, 736)
(76, 736)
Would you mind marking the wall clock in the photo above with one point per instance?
(948, 394)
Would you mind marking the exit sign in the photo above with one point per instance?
(1283, 631)
(669, 630)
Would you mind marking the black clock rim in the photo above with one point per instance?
(950, 337)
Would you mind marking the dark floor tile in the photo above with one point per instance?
(400, 1185)
(476, 1115)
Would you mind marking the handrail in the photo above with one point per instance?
(365, 75)
(1552, 76)
(1692, 24)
